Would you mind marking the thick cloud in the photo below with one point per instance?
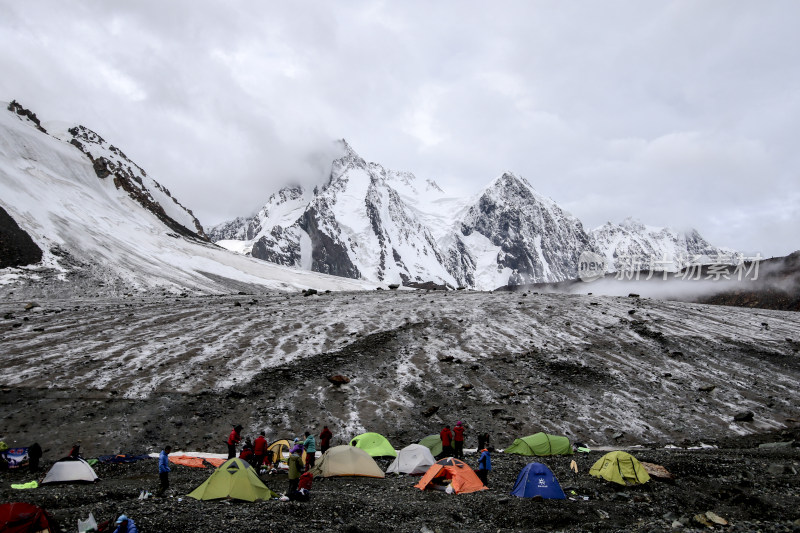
(680, 113)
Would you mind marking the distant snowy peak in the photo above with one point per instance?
(359, 224)
(633, 245)
(534, 239)
(110, 162)
(282, 208)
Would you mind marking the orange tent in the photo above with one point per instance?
(462, 478)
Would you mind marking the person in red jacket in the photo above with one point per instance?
(447, 438)
(260, 449)
(458, 440)
(325, 437)
(234, 439)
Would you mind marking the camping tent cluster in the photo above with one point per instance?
(237, 479)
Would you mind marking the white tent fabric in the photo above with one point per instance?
(70, 470)
(413, 459)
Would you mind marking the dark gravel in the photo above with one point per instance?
(754, 489)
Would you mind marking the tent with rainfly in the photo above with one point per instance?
(461, 477)
(346, 461)
(433, 443)
(536, 480)
(281, 447)
(374, 444)
(541, 444)
(70, 470)
(414, 459)
(620, 467)
(235, 479)
(21, 517)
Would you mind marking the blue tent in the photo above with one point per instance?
(535, 479)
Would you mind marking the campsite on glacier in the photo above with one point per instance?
(131, 330)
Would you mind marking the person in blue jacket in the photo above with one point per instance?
(164, 470)
(484, 466)
(125, 525)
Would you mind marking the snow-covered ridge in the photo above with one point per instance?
(631, 243)
(108, 160)
(94, 215)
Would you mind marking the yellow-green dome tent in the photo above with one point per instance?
(620, 467)
(374, 444)
(233, 479)
(434, 444)
(541, 444)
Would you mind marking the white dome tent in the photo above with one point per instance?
(414, 459)
(70, 470)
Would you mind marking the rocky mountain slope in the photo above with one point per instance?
(103, 226)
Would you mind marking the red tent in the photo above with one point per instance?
(25, 518)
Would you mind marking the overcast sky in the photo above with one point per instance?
(679, 113)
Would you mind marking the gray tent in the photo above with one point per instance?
(70, 471)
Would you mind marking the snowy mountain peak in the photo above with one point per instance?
(632, 224)
(633, 243)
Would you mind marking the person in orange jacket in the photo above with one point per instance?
(233, 439)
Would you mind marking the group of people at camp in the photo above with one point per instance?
(257, 452)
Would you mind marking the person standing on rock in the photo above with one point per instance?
(447, 437)
(260, 447)
(233, 439)
(325, 437)
(295, 466)
(458, 440)
(164, 470)
(484, 466)
(310, 446)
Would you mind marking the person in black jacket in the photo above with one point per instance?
(34, 454)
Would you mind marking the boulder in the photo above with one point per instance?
(338, 379)
(743, 416)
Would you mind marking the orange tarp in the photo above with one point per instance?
(462, 478)
(215, 461)
(187, 460)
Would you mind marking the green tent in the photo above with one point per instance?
(233, 479)
(433, 443)
(620, 467)
(541, 444)
(374, 444)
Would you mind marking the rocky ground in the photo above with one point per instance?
(753, 489)
(130, 374)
